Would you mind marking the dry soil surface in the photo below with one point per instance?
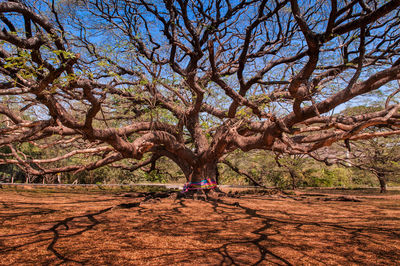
(93, 228)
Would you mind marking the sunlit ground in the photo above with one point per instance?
(109, 228)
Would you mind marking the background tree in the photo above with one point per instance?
(380, 156)
(191, 80)
(294, 165)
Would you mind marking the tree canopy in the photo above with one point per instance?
(128, 82)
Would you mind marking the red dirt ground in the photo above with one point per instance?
(92, 228)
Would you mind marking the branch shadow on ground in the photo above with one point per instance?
(259, 238)
(268, 232)
(16, 210)
(56, 235)
(55, 229)
(165, 221)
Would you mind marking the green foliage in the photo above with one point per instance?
(155, 176)
(298, 171)
(362, 178)
(31, 150)
(356, 110)
(306, 171)
(333, 176)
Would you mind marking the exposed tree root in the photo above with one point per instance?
(202, 194)
(343, 198)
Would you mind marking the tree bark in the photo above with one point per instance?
(293, 176)
(382, 182)
(201, 180)
(204, 171)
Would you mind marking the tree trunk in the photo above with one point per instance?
(203, 177)
(293, 176)
(382, 182)
(201, 172)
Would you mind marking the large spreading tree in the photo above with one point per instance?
(126, 82)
